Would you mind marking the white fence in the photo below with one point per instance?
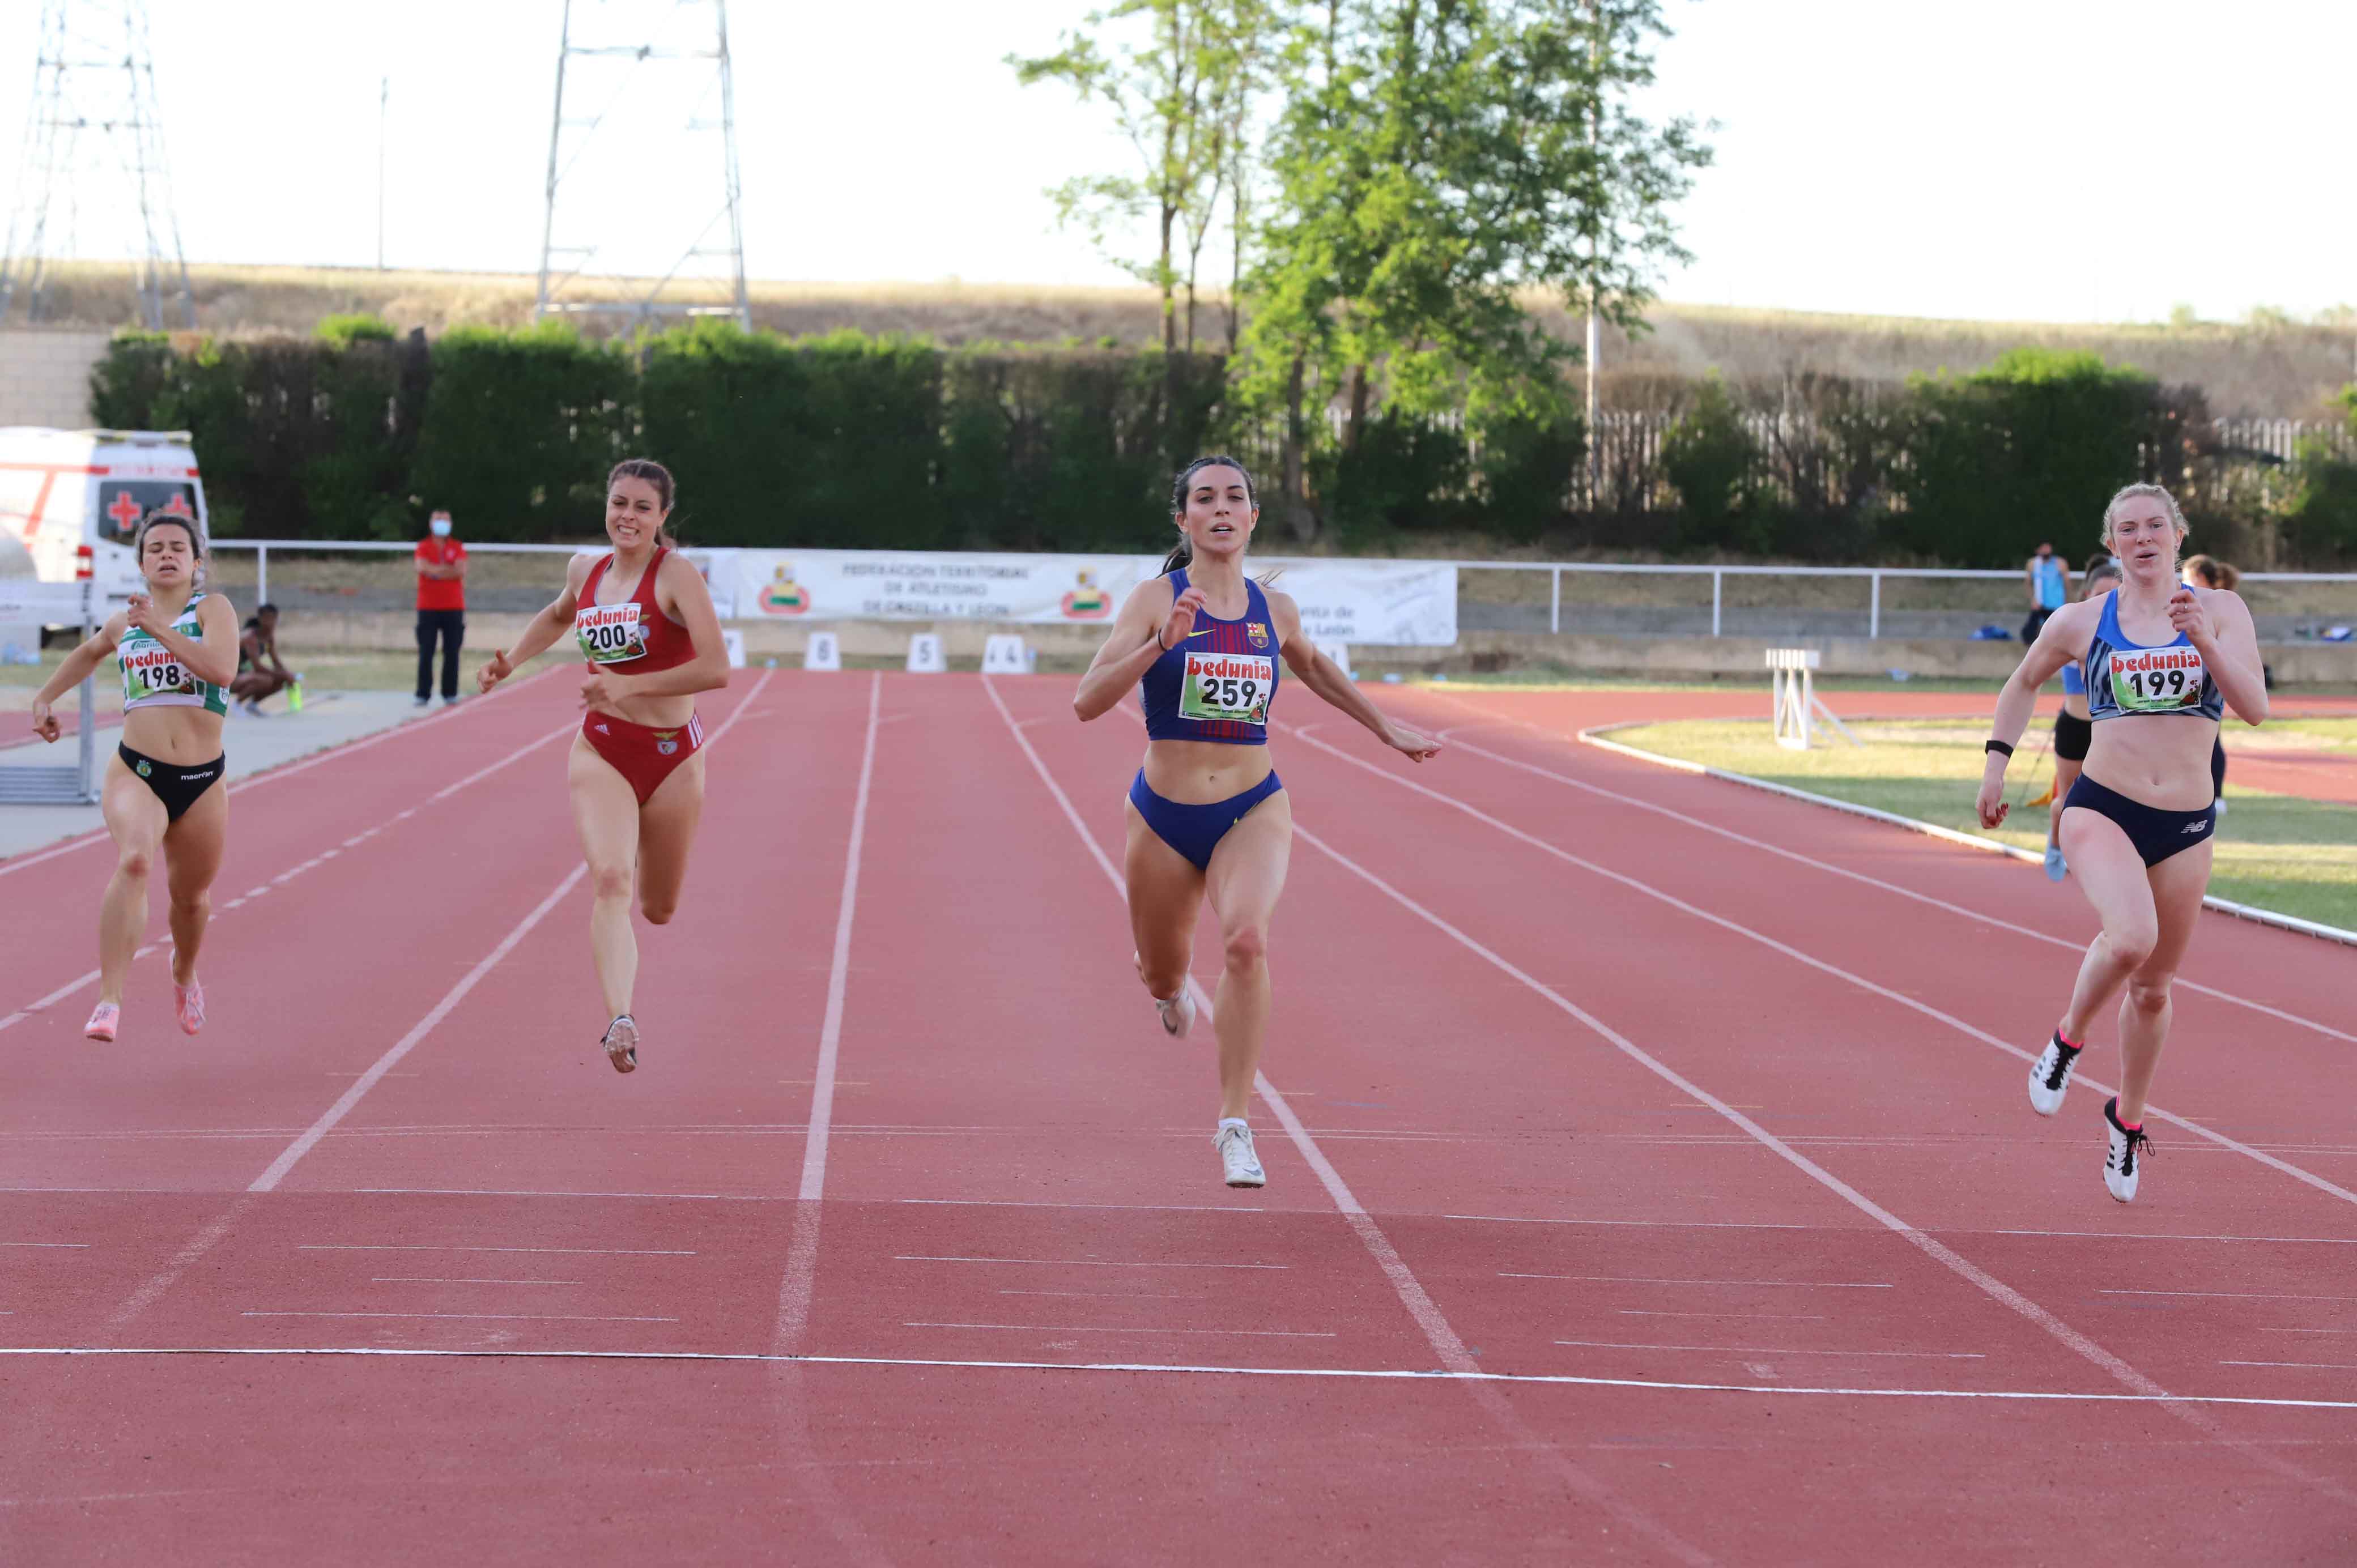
(1503, 595)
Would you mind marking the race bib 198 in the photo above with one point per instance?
(610, 634)
(1231, 686)
(151, 669)
(2157, 680)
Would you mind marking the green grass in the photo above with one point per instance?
(2277, 851)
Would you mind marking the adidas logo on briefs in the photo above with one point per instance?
(601, 729)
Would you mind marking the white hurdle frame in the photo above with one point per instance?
(1792, 687)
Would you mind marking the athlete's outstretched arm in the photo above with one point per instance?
(1151, 622)
(72, 671)
(2218, 623)
(541, 632)
(1318, 673)
(2065, 630)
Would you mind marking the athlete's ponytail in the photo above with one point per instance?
(1185, 552)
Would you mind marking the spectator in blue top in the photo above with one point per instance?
(2048, 576)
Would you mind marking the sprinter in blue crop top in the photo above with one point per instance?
(2162, 663)
(1207, 815)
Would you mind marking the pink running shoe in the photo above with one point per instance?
(188, 1005)
(103, 1020)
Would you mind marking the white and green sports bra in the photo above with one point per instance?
(153, 677)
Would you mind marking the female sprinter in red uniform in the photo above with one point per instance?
(644, 621)
(2162, 663)
(164, 794)
(1207, 814)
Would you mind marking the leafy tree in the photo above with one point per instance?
(1437, 159)
(1179, 97)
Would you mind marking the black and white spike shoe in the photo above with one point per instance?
(2050, 1079)
(2128, 1152)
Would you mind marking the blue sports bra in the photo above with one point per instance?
(1219, 683)
(2126, 680)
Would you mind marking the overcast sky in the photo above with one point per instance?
(2062, 159)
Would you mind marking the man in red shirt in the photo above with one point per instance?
(441, 607)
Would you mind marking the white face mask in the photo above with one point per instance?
(441, 527)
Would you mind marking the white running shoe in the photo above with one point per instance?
(1177, 1013)
(2049, 1077)
(1238, 1162)
(2129, 1150)
(621, 1043)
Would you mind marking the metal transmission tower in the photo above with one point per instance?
(642, 217)
(94, 154)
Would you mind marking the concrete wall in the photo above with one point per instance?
(45, 377)
(1072, 647)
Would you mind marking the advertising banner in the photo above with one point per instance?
(1380, 603)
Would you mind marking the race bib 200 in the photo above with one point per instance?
(2157, 680)
(1230, 686)
(151, 669)
(610, 634)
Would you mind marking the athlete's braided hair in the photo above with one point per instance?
(1185, 552)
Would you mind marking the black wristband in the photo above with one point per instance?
(1159, 642)
(1997, 746)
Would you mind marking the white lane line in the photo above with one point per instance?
(1776, 1316)
(2229, 1294)
(1649, 1280)
(239, 786)
(269, 1179)
(441, 1246)
(2169, 1236)
(474, 1316)
(800, 1282)
(1939, 1251)
(1649, 1224)
(1789, 1351)
(1112, 1295)
(1875, 882)
(285, 877)
(1150, 1208)
(2312, 1366)
(1412, 1294)
(435, 1279)
(532, 1192)
(1079, 1263)
(75, 1246)
(1152, 1369)
(1902, 998)
(1084, 1328)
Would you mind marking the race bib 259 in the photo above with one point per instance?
(1230, 686)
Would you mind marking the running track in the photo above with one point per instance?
(1677, 1128)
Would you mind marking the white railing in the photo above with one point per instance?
(1874, 576)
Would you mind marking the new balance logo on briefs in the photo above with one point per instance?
(2197, 827)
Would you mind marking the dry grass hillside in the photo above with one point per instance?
(2283, 368)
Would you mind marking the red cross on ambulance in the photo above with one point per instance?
(123, 511)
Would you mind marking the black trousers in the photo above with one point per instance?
(451, 627)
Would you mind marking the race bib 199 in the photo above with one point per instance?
(610, 634)
(2157, 680)
(1231, 686)
(151, 669)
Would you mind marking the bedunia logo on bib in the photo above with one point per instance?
(2155, 679)
(610, 634)
(1231, 687)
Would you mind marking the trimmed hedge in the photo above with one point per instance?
(888, 442)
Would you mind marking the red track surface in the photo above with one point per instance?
(1629, 1099)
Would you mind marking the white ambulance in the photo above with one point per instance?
(75, 497)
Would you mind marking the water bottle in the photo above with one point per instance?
(295, 693)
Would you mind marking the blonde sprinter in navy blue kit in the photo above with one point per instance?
(1206, 813)
(2162, 663)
